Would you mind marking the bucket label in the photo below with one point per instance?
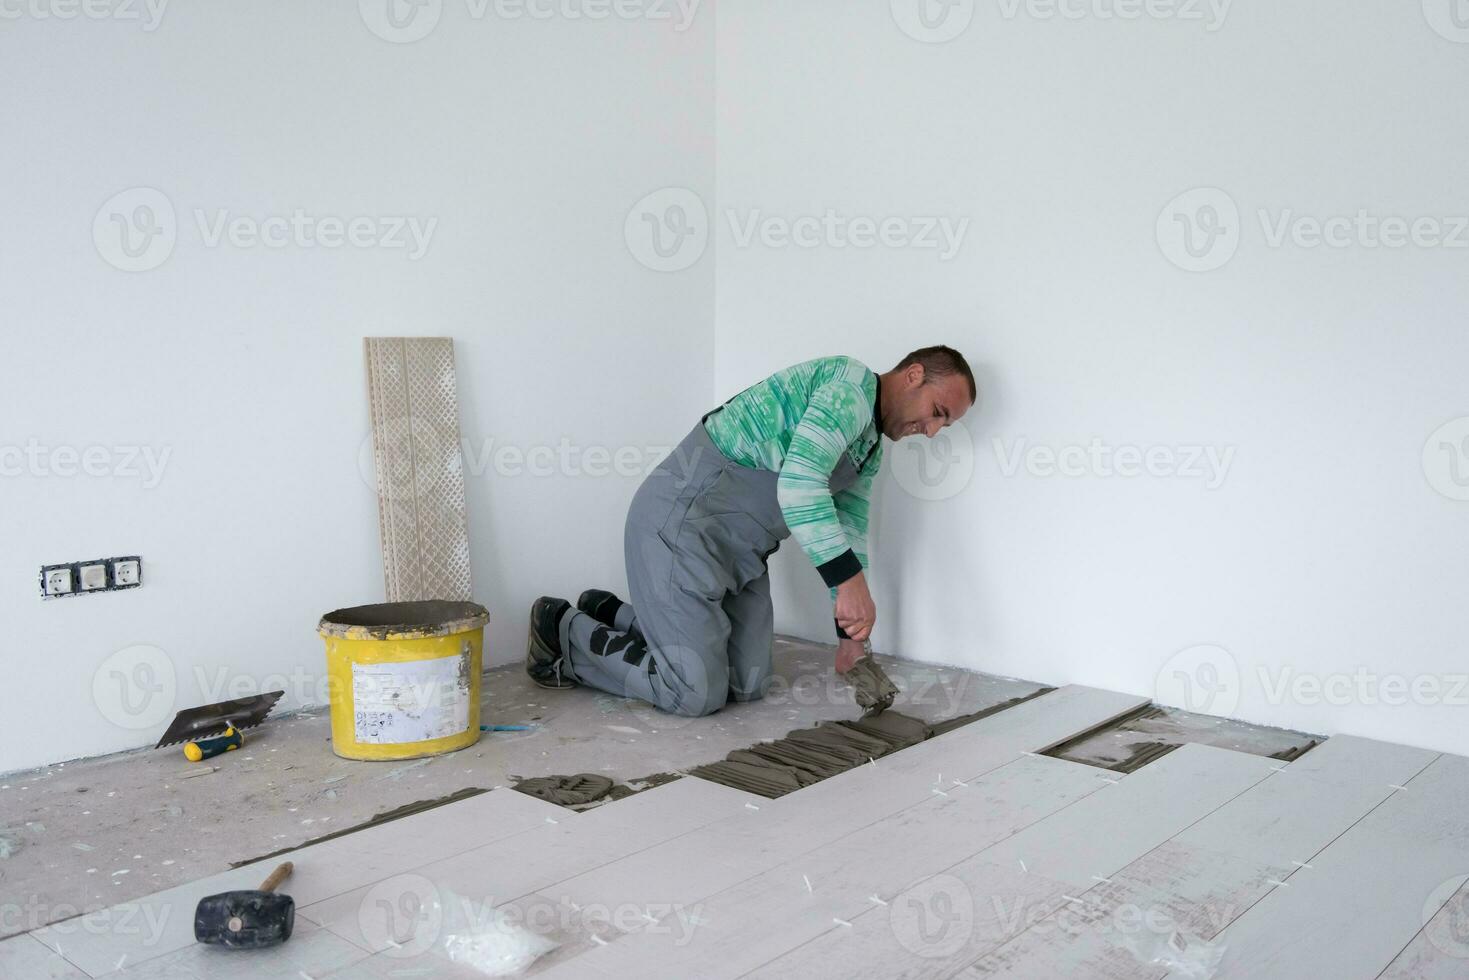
(410, 702)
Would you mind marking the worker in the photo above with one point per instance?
(795, 455)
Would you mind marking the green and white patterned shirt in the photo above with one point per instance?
(798, 422)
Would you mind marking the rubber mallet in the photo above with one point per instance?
(247, 919)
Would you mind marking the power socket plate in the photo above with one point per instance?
(56, 581)
(94, 575)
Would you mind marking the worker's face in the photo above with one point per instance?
(924, 407)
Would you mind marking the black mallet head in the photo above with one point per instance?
(247, 919)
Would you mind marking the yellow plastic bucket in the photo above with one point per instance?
(404, 677)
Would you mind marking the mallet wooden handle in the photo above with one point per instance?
(276, 877)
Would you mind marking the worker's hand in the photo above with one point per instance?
(848, 653)
(855, 610)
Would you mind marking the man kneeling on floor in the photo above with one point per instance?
(794, 455)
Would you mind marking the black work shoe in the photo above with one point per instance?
(543, 657)
(601, 605)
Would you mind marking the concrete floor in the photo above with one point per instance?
(88, 834)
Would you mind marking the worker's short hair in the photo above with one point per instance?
(940, 362)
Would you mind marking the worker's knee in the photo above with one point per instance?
(697, 707)
(749, 684)
(694, 685)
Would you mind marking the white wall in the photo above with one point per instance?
(1324, 370)
(1326, 548)
(529, 140)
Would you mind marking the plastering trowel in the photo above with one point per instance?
(216, 719)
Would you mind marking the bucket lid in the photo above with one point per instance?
(404, 620)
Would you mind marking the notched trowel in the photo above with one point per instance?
(216, 719)
(871, 687)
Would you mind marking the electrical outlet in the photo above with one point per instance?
(126, 571)
(93, 575)
(58, 581)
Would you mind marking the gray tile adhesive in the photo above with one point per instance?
(802, 757)
(871, 687)
(584, 787)
(1128, 743)
(809, 755)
